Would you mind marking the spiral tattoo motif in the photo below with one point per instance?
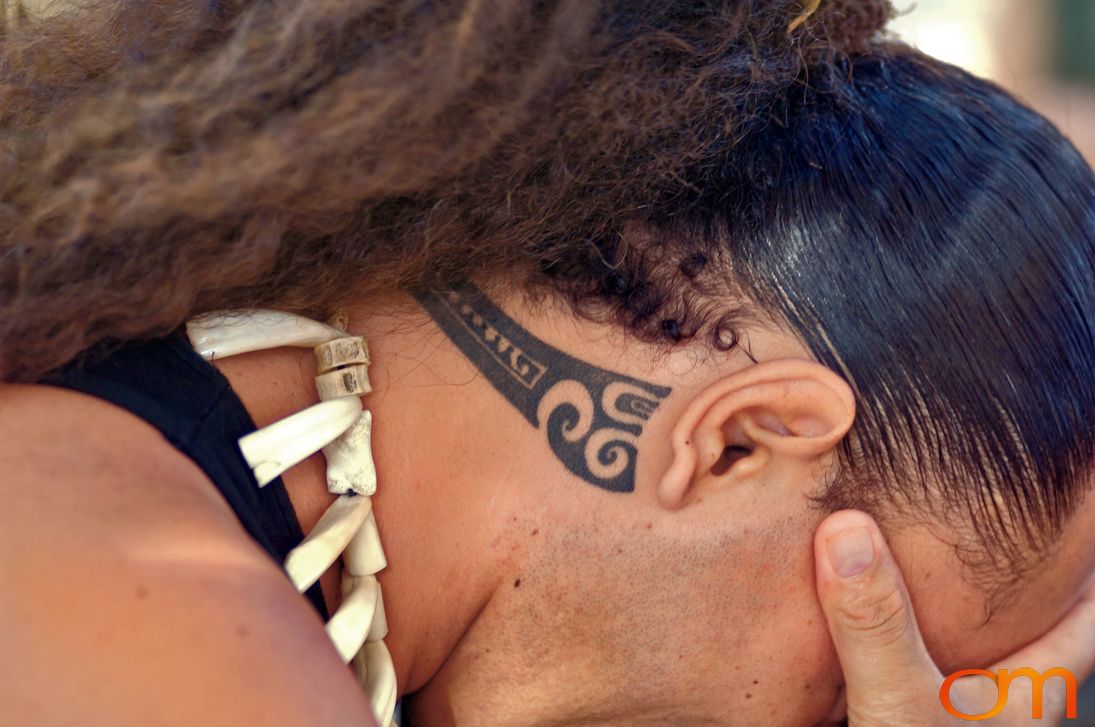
(591, 418)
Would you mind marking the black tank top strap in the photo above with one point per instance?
(166, 383)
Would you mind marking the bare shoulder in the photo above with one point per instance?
(66, 449)
(131, 595)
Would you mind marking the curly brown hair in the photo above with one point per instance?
(161, 159)
(670, 166)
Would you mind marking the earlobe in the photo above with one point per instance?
(785, 411)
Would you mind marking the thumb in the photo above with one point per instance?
(888, 674)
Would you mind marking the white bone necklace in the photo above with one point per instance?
(342, 428)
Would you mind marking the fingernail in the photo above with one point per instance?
(850, 552)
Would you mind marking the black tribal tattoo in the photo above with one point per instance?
(591, 417)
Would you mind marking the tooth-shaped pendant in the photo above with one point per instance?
(350, 459)
(221, 334)
(332, 533)
(350, 625)
(364, 555)
(380, 680)
(278, 446)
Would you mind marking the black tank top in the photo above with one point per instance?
(166, 383)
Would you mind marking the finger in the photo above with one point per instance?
(1069, 644)
(870, 616)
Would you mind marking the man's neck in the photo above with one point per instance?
(470, 480)
(435, 582)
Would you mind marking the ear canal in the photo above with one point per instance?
(731, 455)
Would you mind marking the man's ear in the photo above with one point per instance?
(766, 418)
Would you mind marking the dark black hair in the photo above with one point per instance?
(932, 239)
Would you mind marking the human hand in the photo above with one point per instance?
(890, 680)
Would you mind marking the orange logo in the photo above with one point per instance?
(1003, 679)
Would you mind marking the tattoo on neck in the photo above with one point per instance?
(591, 417)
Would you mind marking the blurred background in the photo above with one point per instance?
(1041, 50)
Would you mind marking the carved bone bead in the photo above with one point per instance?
(350, 459)
(364, 555)
(344, 382)
(379, 628)
(340, 352)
